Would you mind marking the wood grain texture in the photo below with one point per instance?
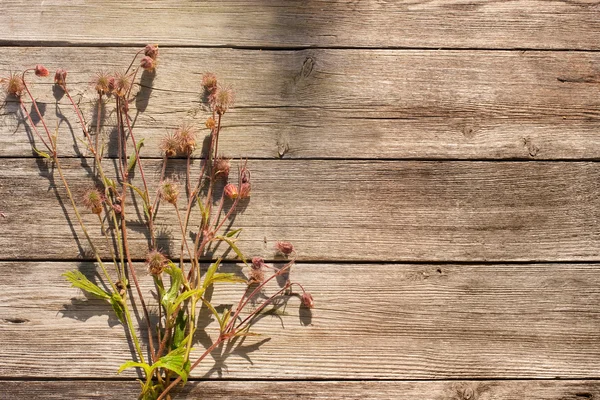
(377, 390)
(264, 23)
(370, 322)
(342, 103)
(344, 210)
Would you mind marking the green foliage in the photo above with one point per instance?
(80, 281)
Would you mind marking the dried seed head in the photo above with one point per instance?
(122, 84)
(14, 85)
(186, 137)
(156, 262)
(93, 200)
(101, 83)
(256, 276)
(151, 50)
(60, 77)
(222, 167)
(148, 63)
(231, 191)
(169, 191)
(209, 83)
(41, 71)
(245, 190)
(257, 262)
(307, 300)
(222, 100)
(169, 144)
(285, 248)
(210, 123)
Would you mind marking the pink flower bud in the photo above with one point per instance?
(307, 300)
(231, 191)
(60, 78)
(41, 71)
(245, 190)
(257, 262)
(151, 50)
(285, 248)
(148, 64)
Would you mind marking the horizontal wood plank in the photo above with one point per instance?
(341, 210)
(264, 23)
(269, 390)
(370, 322)
(340, 103)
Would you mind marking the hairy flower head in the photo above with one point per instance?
(222, 100)
(156, 262)
(169, 144)
(222, 167)
(14, 85)
(101, 82)
(186, 137)
(93, 200)
(169, 191)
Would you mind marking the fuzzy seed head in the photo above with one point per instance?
(41, 71)
(222, 100)
(169, 144)
(151, 50)
(285, 248)
(256, 276)
(101, 83)
(148, 63)
(209, 83)
(60, 77)
(186, 137)
(231, 191)
(307, 300)
(122, 84)
(210, 123)
(93, 200)
(14, 85)
(258, 262)
(222, 167)
(156, 262)
(169, 191)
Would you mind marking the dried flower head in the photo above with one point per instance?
(186, 137)
(156, 262)
(209, 83)
(101, 82)
(41, 71)
(210, 123)
(285, 248)
(231, 191)
(60, 77)
(122, 84)
(151, 50)
(222, 167)
(14, 85)
(148, 63)
(169, 144)
(93, 200)
(256, 276)
(245, 190)
(169, 191)
(258, 262)
(222, 100)
(307, 300)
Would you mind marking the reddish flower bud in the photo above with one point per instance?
(151, 50)
(307, 300)
(257, 262)
(117, 208)
(148, 64)
(231, 191)
(41, 71)
(285, 248)
(60, 78)
(245, 190)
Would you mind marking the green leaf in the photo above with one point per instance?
(203, 211)
(110, 183)
(210, 272)
(232, 244)
(132, 158)
(138, 191)
(186, 295)
(117, 304)
(41, 153)
(214, 312)
(174, 361)
(179, 331)
(232, 233)
(79, 280)
(133, 364)
(170, 295)
(227, 277)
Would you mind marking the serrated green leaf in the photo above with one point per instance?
(132, 158)
(41, 153)
(134, 364)
(232, 244)
(117, 304)
(80, 281)
(210, 272)
(174, 361)
(180, 327)
(232, 233)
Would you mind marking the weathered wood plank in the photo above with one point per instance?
(370, 322)
(347, 210)
(269, 390)
(346, 103)
(263, 23)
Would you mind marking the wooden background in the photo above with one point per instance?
(434, 162)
